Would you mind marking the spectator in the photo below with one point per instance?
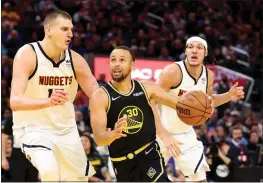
(234, 118)
(247, 125)
(101, 81)
(13, 157)
(222, 87)
(232, 63)
(254, 140)
(220, 162)
(165, 54)
(81, 101)
(213, 120)
(225, 118)
(253, 149)
(7, 114)
(237, 151)
(82, 126)
(221, 133)
(102, 173)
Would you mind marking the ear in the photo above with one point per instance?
(206, 53)
(48, 30)
(133, 65)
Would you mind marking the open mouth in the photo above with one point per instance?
(117, 72)
(194, 57)
(68, 41)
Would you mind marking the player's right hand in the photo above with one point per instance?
(172, 145)
(119, 126)
(5, 164)
(58, 97)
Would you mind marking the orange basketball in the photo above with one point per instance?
(194, 108)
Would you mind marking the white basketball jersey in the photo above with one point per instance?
(169, 117)
(47, 77)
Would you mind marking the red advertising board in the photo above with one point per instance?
(150, 70)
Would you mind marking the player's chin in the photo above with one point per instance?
(117, 78)
(194, 63)
(64, 47)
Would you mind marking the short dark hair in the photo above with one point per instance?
(127, 49)
(52, 15)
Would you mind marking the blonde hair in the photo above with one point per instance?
(51, 16)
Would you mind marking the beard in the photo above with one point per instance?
(120, 78)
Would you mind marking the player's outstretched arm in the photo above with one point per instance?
(84, 76)
(23, 66)
(235, 92)
(98, 117)
(172, 145)
(159, 95)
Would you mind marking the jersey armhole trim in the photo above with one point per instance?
(206, 78)
(174, 87)
(71, 61)
(145, 93)
(35, 70)
(109, 100)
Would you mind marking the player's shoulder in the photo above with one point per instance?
(26, 49)
(26, 53)
(171, 69)
(100, 94)
(74, 54)
(210, 73)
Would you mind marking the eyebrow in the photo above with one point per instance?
(114, 56)
(67, 27)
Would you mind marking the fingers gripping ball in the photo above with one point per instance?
(194, 108)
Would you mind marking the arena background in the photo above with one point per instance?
(157, 32)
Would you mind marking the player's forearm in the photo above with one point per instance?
(4, 144)
(167, 99)
(103, 138)
(23, 103)
(160, 131)
(221, 99)
(89, 89)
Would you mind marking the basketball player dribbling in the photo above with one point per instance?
(131, 139)
(190, 74)
(45, 79)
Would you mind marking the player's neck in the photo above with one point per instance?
(124, 86)
(50, 50)
(194, 71)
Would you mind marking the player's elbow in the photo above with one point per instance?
(98, 141)
(14, 103)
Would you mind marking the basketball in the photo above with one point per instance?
(194, 108)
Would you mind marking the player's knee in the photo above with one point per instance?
(199, 176)
(49, 175)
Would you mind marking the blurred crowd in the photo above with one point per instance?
(156, 29)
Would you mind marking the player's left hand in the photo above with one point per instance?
(236, 92)
(172, 145)
(212, 102)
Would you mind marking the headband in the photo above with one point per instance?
(196, 38)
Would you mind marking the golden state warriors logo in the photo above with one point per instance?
(134, 119)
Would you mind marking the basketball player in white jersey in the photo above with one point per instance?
(177, 78)
(46, 75)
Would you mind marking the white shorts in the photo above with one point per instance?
(67, 148)
(191, 159)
